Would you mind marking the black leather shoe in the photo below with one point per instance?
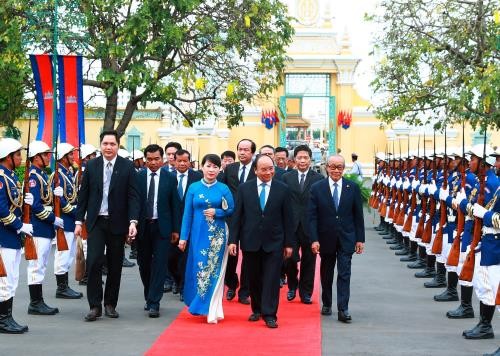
(402, 252)
(412, 256)
(254, 317)
(344, 316)
(167, 287)
(398, 247)
(154, 313)
(462, 312)
(271, 323)
(306, 300)
(127, 263)
(291, 294)
(449, 295)
(427, 272)
(244, 300)
(231, 293)
(417, 264)
(483, 330)
(93, 314)
(40, 308)
(326, 310)
(110, 312)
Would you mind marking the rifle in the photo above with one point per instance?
(383, 207)
(401, 218)
(468, 268)
(454, 254)
(427, 235)
(397, 210)
(409, 220)
(437, 246)
(79, 175)
(421, 223)
(29, 243)
(392, 205)
(62, 244)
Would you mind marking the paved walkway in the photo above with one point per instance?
(393, 314)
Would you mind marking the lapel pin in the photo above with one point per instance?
(347, 186)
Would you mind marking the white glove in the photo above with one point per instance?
(443, 194)
(380, 178)
(26, 229)
(399, 183)
(393, 181)
(432, 189)
(479, 211)
(406, 184)
(58, 222)
(461, 196)
(422, 188)
(28, 198)
(58, 192)
(386, 181)
(414, 184)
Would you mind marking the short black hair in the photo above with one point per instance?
(228, 154)
(173, 144)
(182, 152)
(268, 146)
(212, 158)
(109, 133)
(281, 149)
(305, 148)
(258, 157)
(153, 148)
(253, 146)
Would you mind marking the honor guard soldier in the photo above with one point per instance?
(11, 230)
(43, 221)
(67, 193)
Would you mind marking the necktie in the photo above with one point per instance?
(180, 189)
(108, 171)
(151, 196)
(336, 196)
(242, 176)
(301, 183)
(262, 196)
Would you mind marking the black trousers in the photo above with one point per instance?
(307, 265)
(327, 268)
(264, 277)
(152, 257)
(99, 238)
(231, 277)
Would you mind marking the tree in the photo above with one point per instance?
(203, 58)
(438, 57)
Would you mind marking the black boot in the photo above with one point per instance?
(380, 226)
(37, 305)
(406, 247)
(420, 261)
(7, 324)
(483, 330)
(412, 256)
(450, 294)
(399, 242)
(439, 280)
(386, 231)
(464, 310)
(430, 269)
(63, 290)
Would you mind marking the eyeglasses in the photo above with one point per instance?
(334, 167)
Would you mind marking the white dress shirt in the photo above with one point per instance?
(105, 187)
(157, 184)
(339, 187)
(268, 188)
(305, 174)
(184, 180)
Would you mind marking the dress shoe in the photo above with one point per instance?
(231, 293)
(291, 294)
(93, 314)
(271, 323)
(427, 272)
(462, 312)
(110, 312)
(306, 300)
(127, 263)
(402, 252)
(254, 317)
(175, 288)
(326, 310)
(449, 295)
(417, 264)
(344, 316)
(244, 300)
(154, 313)
(483, 330)
(167, 287)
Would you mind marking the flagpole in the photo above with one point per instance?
(55, 119)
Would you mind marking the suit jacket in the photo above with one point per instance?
(331, 227)
(168, 203)
(255, 229)
(192, 176)
(123, 197)
(300, 199)
(232, 178)
(279, 172)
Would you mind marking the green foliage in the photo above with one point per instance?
(202, 58)
(365, 192)
(439, 60)
(12, 132)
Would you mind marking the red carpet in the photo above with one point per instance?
(299, 331)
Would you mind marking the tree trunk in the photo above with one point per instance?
(111, 109)
(127, 115)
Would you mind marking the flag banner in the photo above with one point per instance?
(42, 72)
(71, 112)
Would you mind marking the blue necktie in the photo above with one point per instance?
(335, 196)
(242, 176)
(262, 196)
(180, 190)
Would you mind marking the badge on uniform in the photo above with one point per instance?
(224, 204)
(32, 183)
(1, 185)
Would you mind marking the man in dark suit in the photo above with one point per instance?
(281, 157)
(184, 176)
(159, 224)
(234, 175)
(108, 201)
(335, 214)
(299, 183)
(260, 225)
